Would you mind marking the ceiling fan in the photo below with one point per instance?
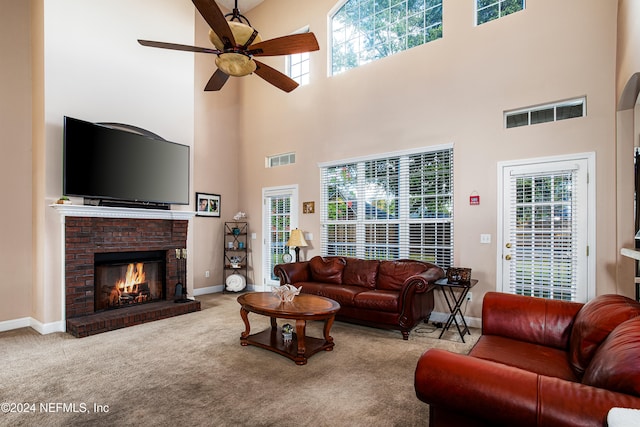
(237, 43)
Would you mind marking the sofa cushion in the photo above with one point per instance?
(327, 270)
(593, 323)
(378, 299)
(361, 272)
(344, 295)
(392, 274)
(541, 359)
(615, 364)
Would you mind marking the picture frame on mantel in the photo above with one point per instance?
(208, 205)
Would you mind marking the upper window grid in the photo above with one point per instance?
(298, 64)
(366, 30)
(488, 10)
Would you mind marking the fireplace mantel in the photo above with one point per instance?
(113, 212)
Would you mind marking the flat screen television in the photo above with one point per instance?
(107, 163)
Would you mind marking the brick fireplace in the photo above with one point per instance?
(90, 237)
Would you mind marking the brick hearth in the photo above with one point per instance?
(110, 320)
(85, 236)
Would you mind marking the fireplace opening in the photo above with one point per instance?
(124, 279)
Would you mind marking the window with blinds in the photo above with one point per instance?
(397, 206)
(544, 235)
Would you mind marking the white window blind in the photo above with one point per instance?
(544, 235)
(397, 206)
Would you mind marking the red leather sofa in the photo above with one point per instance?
(385, 294)
(538, 363)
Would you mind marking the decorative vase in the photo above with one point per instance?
(235, 231)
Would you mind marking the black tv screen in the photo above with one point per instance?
(102, 162)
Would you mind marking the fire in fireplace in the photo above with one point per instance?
(124, 279)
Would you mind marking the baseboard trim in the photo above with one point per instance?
(48, 328)
(30, 322)
(9, 325)
(208, 290)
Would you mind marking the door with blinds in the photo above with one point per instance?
(280, 216)
(545, 250)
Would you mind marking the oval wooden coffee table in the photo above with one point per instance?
(302, 308)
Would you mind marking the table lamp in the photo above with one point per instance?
(296, 240)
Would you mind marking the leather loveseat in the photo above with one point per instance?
(538, 362)
(385, 294)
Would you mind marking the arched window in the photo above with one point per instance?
(365, 30)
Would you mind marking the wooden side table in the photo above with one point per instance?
(454, 295)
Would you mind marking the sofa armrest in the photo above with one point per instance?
(505, 395)
(293, 272)
(535, 320)
(416, 284)
(422, 282)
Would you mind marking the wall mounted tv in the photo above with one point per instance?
(111, 166)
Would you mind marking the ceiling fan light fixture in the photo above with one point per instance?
(235, 64)
(241, 33)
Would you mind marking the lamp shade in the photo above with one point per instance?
(296, 239)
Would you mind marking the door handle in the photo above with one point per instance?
(507, 257)
(508, 245)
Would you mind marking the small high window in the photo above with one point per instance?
(280, 160)
(488, 10)
(546, 113)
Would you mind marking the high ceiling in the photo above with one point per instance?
(243, 5)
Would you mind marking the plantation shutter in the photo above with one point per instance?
(397, 206)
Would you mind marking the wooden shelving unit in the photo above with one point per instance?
(236, 249)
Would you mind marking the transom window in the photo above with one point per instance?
(398, 206)
(365, 30)
(488, 10)
(562, 110)
(280, 160)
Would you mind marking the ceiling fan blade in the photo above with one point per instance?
(174, 46)
(285, 45)
(275, 77)
(217, 80)
(216, 20)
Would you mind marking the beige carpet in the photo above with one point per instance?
(192, 370)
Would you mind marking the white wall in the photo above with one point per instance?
(95, 70)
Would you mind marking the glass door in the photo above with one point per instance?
(280, 216)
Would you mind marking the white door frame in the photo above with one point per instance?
(267, 192)
(590, 157)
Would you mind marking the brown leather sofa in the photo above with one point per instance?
(384, 294)
(538, 363)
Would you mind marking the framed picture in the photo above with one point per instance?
(208, 204)
(308, 207)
